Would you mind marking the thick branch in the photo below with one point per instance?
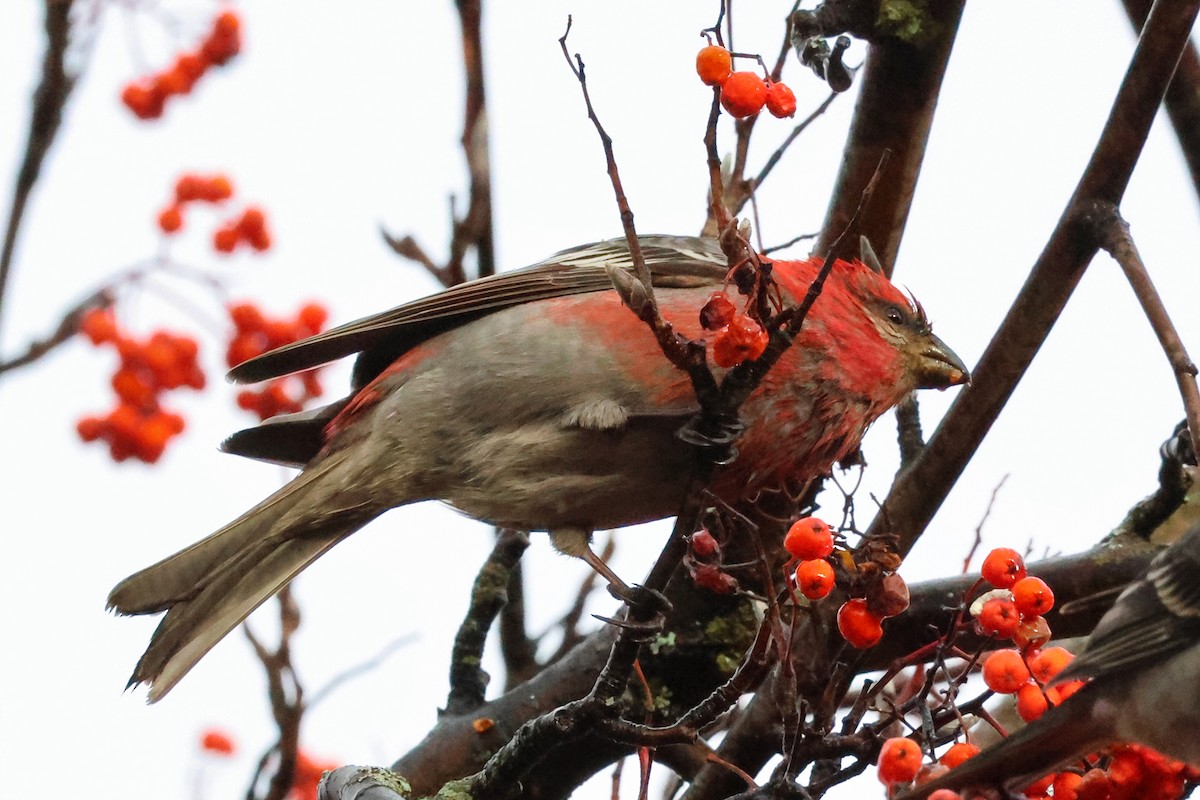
(920, 490)
(900, 84)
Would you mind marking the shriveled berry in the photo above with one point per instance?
(704, 545)
(743, 94)
(717, 312)
(743, 339)
(1033, 632)
(888, 597)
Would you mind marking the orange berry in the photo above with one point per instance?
(1003, 567)
(1049, 662)
(132, 388)
(999, 618)
(809, 538)
(945, 794)
(218, 742)
(189, 187)
(217, 188)
(743, 94)
(1066, 785)
(1004, 671)
(743, 339)
(313, 316)
(243, 348)
(713, 64)
(146, 101)
(227, 23)
(858, 626)
(958, 753)
(90, 428)
(781, 100)
(1061, 691)
(260, 240)
(312, 383)
(1039, 787)
(1032, 597)
(170, 219)
(815, 578)
(899, 760)
(252, 219)
(99, 325)
(225, 239)
(1031, 702)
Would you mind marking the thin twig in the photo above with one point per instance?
(1116, 239)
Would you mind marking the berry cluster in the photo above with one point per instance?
(147, 97)
(703, 563)
(255, 334)
(138, 427)
(739, 337)
(250, 227)
(876, 591)
(743, 94)
(191, 188)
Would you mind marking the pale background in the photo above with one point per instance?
(340, 117)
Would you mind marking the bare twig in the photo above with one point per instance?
(287, 701)
(66, 329)
(1116, 239)
(48, 102)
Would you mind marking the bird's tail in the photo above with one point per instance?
(210, 587)
(1026, 755)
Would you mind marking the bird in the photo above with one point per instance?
(1142, 663)
(535, 400)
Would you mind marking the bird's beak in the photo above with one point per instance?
(938, 367)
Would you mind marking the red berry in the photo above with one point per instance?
(809, 538)
(713, 64)
(1066, 785)
(313, 316)
(743, 94)
(1031, 702)
(858, 626)
(216, 189)
(225, 239)
(170, 219)
(1038, 788)
(899, 760)
(1003, 567)
(90, 428)
(713, 578)
(1032, 597)
(99, 326)
(146, 101)
(218, 742)
(1005, 672)
(247, 317)
(815, 578)
(781, 101)
(741, 340)
(717, 312)
(999, 618)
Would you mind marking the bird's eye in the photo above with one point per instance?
(894, 315)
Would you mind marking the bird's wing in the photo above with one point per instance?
(674, 261)
(1156, 617)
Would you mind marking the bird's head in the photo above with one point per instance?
(880, 334)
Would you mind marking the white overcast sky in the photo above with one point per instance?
(340, 117)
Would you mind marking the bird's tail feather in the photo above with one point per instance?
(210, 587)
